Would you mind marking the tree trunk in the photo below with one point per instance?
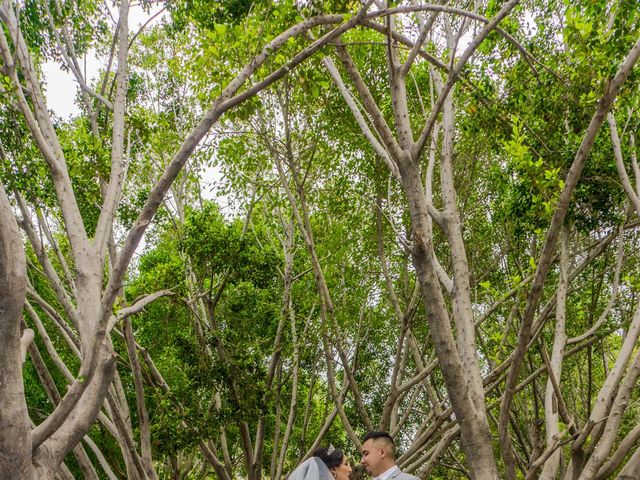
(475, 434)
(15, 436)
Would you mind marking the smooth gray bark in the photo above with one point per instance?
(15, 436)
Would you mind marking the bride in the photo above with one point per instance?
(327, 463)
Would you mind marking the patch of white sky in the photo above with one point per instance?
(61, 85)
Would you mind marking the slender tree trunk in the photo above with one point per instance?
(143, 416)
(550, 469)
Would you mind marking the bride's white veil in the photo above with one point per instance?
(311, 469)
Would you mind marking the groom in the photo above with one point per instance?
(378, 459)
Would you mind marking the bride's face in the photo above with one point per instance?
(342, 471)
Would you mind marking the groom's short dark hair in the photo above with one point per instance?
(378, 434)
(388, 440)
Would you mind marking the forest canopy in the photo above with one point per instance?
(275, 225)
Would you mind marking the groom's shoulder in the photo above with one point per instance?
(400, 475)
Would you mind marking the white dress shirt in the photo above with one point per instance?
(387, 474)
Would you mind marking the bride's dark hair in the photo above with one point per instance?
(332, 457)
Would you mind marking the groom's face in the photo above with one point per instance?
(372, 457)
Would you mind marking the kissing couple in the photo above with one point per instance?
(329, 463)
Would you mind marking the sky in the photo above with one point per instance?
(61, 86)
